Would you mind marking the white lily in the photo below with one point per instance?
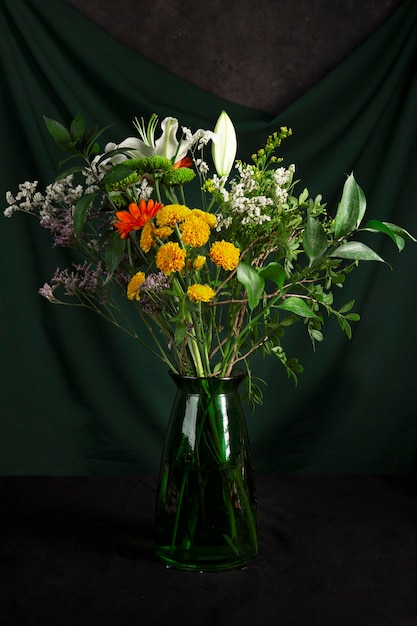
(225, 148)
(166, 145)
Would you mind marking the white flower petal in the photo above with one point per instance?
(167, 144)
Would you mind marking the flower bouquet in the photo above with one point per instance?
(209, 285)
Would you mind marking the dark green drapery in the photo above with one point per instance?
(76, 396)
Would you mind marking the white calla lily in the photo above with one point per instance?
(225, 147)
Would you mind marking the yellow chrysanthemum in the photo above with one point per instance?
(200, 293)
(147, 237)
(170, 258)
(209, 218)
(195, 263)
(171, 214)
(134, 284)
(150, 234)
(163, 232)
(199, 262)
(194, 231)
(225, 254)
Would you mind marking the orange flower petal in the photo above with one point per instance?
(185, 162)
(136, 217)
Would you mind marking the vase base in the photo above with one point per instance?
(201, 559)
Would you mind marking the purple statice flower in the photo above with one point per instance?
(48, 292)
(84, 279)
(121, 277)
(149, 307)
(59, 222)
(153, 285)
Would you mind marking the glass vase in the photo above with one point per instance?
(206, 500)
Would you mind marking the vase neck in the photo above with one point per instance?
(208, 385)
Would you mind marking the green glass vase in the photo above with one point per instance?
(206, 500)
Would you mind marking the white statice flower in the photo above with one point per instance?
(187, 133)
(223, 223)
(244, 201)
(201, 166)
(10, 199)
(8, 211)
(28, 187)
(218, 182)
(60, 193)
(55, 192)
(145, 190)
(281, 195)
(205, 137)
(24, 197)
(282, 179)
(252, 210)
(38, 198)
(283, 176)
(95, 173)
(74, 194)
(200, 137)
(224, 194)
(25, 200)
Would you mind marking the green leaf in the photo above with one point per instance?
(351, 208)
(397, 234)
(353, 317)
(253, 282)
(377, 226)
(297, 306)
(356, 251)
(400, 231)
(77, 127)
(275, 272)
(362, 205)
(179, 333)
(314, 239)
(303, 196)
(68, 172)
(111, 153)
(59, 133)
(295, 366)
(91, 145)
(347, 307)
(117, 173)
(114, 252)
(315, 334)
(80, 211)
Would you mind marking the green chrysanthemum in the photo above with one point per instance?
(118, 199)
(120, 185)
(179, 176)
(153, 164)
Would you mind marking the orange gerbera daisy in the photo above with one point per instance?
(136, 217)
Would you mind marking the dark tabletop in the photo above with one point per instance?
(337, 551)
